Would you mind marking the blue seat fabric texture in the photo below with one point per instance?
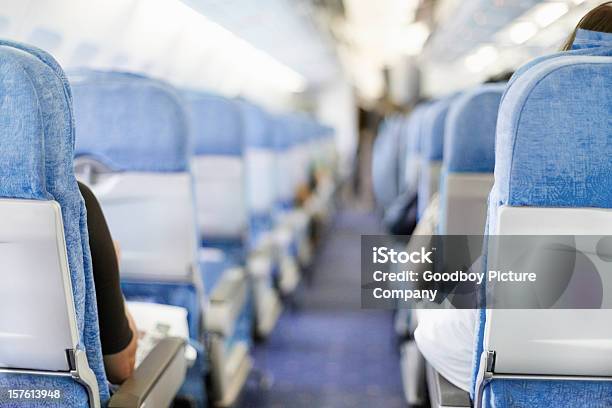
(130, 122)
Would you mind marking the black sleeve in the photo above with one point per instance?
(115, 332)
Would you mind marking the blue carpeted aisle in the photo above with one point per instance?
(329, 352)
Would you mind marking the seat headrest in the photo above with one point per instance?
(255, 126)
(591, 39)
(414, 128)
(553, 145)
(130, 122)
(386, 162)
(282, 134)
(216, 124)
(296, 126)
(585, 47)
(22, 147)
(432, 131)
(326, 132)
(469, 144)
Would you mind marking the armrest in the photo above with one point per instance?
(226, 302)
(157, 379)
(228, 286)
(444, 394)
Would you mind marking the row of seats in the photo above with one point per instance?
(212, 201)
(527, 157)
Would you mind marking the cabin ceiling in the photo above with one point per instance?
(271, 50)
(282, 28)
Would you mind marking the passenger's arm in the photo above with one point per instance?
(120, 366)
(118, 332)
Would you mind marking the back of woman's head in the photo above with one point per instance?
(598, 19)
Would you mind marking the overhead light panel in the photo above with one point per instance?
(414, 38)
(481, 58)
(545, 14)
(218, 43)
(520, 32)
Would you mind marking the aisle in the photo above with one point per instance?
(329, 353)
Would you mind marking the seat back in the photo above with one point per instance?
(432, 148)
(132, 149)
(552, 176)
(259, 170)
(328, 149)
(412, 151)
(385, 162)
(284, 141)
(299, 152)
(218, 167)
(469, 159)
(324, 149)
(44, 249)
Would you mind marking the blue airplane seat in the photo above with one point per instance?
(320, 179)
(259, 162)
(133, 125)
(219, 173)
(218, 167)
(412, 151)
(37, 124)
(262, 262)
(286, 236)
(552, 175)
(132, 148)
(42, 210)
(324, 173)
(299, 151)
(400, 216)
(385, 163)
(299, 219)
(284, 140)
(466, 180)
(469, 160)
(404, 321)
(329, 157)
(432, 149)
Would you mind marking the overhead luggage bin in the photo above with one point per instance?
(45, 255)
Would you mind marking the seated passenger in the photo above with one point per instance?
(453, 359)
(118, 333)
